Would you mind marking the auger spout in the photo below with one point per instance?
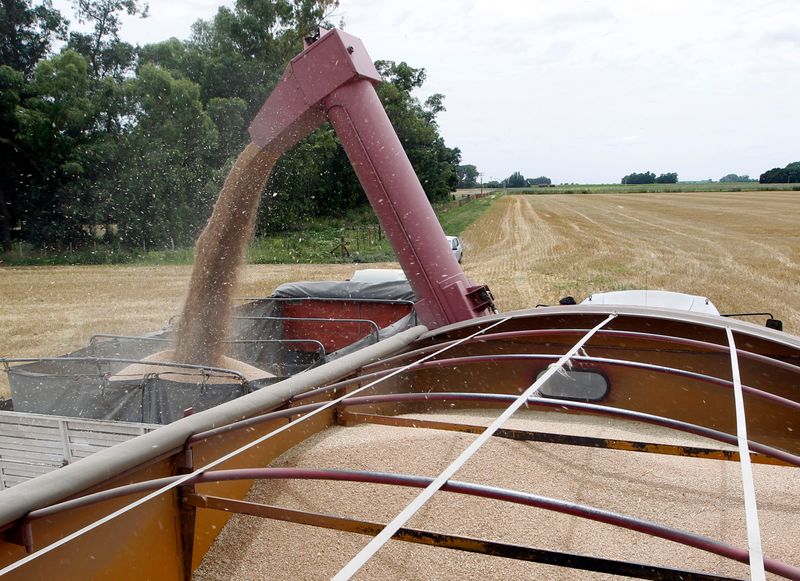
(334, 79)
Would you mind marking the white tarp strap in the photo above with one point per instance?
(750, 508)
(390, 529)
(213, 464)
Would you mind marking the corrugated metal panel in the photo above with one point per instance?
(33, 444)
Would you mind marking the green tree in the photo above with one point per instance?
(27, 33)
(106, 53)
(777, 175)
(639, 178)
(467, 176)
(163, 197)
(13, 163)
(515, 180)
(51, 132)
(667, 178)
(732, 177)
(139, 140)
(540, 181)
(241, 52)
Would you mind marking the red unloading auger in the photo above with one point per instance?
(333, 79)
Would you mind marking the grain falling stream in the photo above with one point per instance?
(219, 253)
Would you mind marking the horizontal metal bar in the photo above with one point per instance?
(101, 360)
(782, 456)
(93, 339)
(456, 542)
(534, 402)
(479, 490)
(682, 341)
(478, 359)
(370, 322)
(454, 362)
(350, 418)
(334, 300)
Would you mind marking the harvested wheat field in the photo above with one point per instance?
(742, 250)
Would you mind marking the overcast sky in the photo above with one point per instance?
(585, 91)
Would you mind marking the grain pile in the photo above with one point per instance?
(702, 496)
(150, 366)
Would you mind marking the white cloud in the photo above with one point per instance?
(565, 89)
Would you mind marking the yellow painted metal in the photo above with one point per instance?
(144, 544)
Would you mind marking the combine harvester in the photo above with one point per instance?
(557, 442)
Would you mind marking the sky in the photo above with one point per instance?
(583, 91)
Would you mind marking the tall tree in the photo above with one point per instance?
(777, 175)
(732, 177)
(102, 47)
(540, 181)
(27, 33)
(52, 132)
(13, 162)
(242, 51)
(162, 198)
(467, 176)
(667, 178)
(647, 177)
(516, 180)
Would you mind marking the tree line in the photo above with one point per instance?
(468, 175)
(649, 177)
(128, 144)
(785, 175)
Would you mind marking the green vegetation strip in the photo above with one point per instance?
(681, 187)
(355, 238)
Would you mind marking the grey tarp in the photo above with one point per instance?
(387, 291)
(82, 388)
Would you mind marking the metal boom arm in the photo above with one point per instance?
(333, 79)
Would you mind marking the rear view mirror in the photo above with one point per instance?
(776, 324)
